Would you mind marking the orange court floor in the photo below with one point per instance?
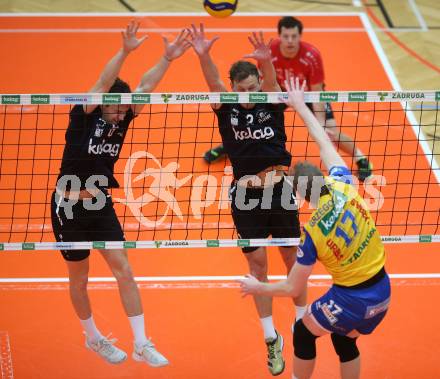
(194, 312)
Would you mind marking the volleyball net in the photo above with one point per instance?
(170, 197)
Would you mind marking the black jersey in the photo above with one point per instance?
(93, 145)
(254, 139)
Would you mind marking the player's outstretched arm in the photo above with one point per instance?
(263, 55)
(293, 286)
(111, 70)
(154, 75)
(329, 155)
(202, 46)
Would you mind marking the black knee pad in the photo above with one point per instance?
(345, 347)
(304, 342)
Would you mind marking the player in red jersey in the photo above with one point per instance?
(303, 60)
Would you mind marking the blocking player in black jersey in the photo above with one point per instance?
(254, 139)
(82, 209)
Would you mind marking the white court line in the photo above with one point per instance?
(396, 85)
(6, 369)
(418, 15)
(140, 279)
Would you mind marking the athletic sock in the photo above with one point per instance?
(92, 332)
(138, 328)
(268, 328)
(300, 311)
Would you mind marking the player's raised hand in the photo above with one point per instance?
(177, 47)
(295, 91)
(200, 44)
(129, 40)
(249, 285)
(261, 49)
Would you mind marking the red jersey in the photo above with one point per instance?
(306, 65)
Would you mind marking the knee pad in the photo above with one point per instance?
(345, 347)
(304, 342)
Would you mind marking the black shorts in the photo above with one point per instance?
(328, 110)
(281, 220)
(85, 225)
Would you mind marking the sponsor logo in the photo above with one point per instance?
(176, 243)
(141, 98)
(10, 99)
(229, 98)
(99, 245)
(335, 249)
(263, 117)
(257, 134)
(328, 96)
(2, 246)
(201, 97)
(28, 246)
(108, 98)
(68, 99)
(63, 245)
(382, 95)
(391, 239)
(212, 243)
(129, 244)
(437, 96)
(243, 243)
(328, 314)
(158, 243)
(357, 96)
(166, 97)
(98, 131)
(103, 148)
(425, 238)
(258, 97)
(408, 95)
(376, 309)
(328, 221)
(40, 99)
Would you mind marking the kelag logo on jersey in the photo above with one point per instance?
(104, 148)
(248, 133)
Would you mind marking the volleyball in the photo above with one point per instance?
(220, 8)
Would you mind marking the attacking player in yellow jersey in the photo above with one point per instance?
(342, 235)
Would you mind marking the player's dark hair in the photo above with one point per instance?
(240, 70)
(119, 86)
(309, 181)
(289, 22)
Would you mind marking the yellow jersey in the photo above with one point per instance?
(342, 234)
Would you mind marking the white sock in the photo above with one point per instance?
(138, 327)
(93, 334)
(300, 312)
(268, 328)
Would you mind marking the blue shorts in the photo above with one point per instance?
(341, 310)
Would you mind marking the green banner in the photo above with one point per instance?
(437, 96)
(229, 97)
(243, 243)
(28, 246)
(109, 98)
(129, 244)
(40, 99)
(212, 243)
(138, 98)
(328, 96)
(99, 245)
(10, 99)
(425, 238)
(258, 97)
(2, 246)
(357, 96)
